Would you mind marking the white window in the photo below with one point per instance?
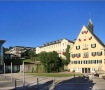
(85, 45)
(63, 44)
(93, 69)
(58, 51)
(79, 69)
(63, 50)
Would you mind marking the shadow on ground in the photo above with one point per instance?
(77, 83)
(44, 86)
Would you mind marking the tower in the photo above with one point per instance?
(90, 25)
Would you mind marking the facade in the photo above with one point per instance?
(58, 46)
(1, 55)
(17, 50)
(1, 51)
(88, 53)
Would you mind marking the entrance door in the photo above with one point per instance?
(85, 70)
(88, 70)
(82, 70)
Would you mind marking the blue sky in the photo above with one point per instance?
(35, 23)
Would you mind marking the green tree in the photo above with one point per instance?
(10, 47)
(25, 54)
(31, 54)
(51, 61)
(67, 55)
(5, 49)
(44, 60)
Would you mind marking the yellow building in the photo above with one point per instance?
(87, 52)
(58, 46)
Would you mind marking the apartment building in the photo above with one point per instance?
(17, 50)
(88, 53)
(59, 46)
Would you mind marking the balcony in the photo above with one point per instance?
(85, 48)
(73, 57)
(78, 56)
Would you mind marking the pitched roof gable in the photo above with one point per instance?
(97, 38)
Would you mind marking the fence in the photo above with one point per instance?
(32, 67)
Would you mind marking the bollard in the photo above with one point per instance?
(37, 83)
(23, 75)
(53, 82)
(11, 72)
(74, 78)
(4, 70)
(15, 83)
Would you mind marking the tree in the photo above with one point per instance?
(25, 54)
(51, 61)
(5, 49)
(10, 47)
(31, 54)
(67, 55)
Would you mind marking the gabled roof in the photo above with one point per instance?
(97, 39)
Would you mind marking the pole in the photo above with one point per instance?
(53, 81)
(4, 70)
(23, 76)
(15, 83)
(74, 77)
(11, 71)
(37, 83)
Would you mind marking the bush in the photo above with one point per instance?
(73, 70)
(32, 70)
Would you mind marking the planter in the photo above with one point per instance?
(84, 39)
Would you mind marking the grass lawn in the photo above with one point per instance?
(54, 74)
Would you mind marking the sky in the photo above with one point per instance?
(33, 23)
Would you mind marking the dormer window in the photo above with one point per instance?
(93, 45)
(77, 47)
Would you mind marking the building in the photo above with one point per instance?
(58, 46)
(88, 53)
(17, 50)
(1, 55)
